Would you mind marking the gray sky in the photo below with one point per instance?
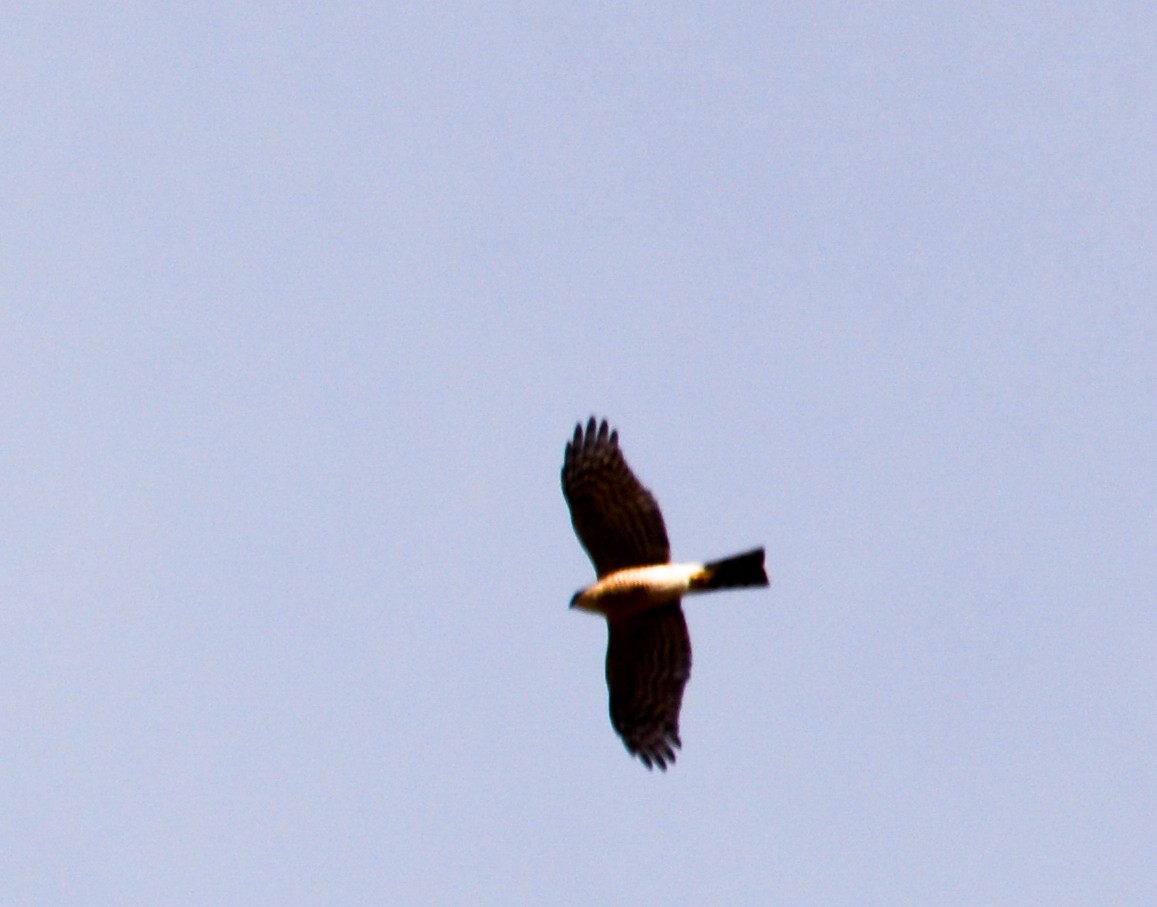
(300, 307)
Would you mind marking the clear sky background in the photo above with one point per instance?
(300, 306)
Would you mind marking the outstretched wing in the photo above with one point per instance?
(615, 517)
(648, 664)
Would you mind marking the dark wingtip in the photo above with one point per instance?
(594, 433)
(659, 755)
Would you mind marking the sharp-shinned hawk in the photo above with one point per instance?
(639, 590)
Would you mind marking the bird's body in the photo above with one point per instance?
(639, 591)
(635, 589)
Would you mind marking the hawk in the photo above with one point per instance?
(638, 590)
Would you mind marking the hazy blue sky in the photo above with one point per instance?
(300, 306)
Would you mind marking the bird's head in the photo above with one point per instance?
(583, 601)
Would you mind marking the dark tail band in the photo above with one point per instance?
(733, 572)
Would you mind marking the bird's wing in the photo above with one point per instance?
(615, 517)
(648, 664)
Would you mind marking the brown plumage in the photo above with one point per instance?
(615, 517)
(618, 522)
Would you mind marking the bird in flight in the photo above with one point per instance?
(638, 590)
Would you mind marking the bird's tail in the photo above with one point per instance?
(731, 573)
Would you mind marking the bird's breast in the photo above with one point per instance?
(637, 589)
